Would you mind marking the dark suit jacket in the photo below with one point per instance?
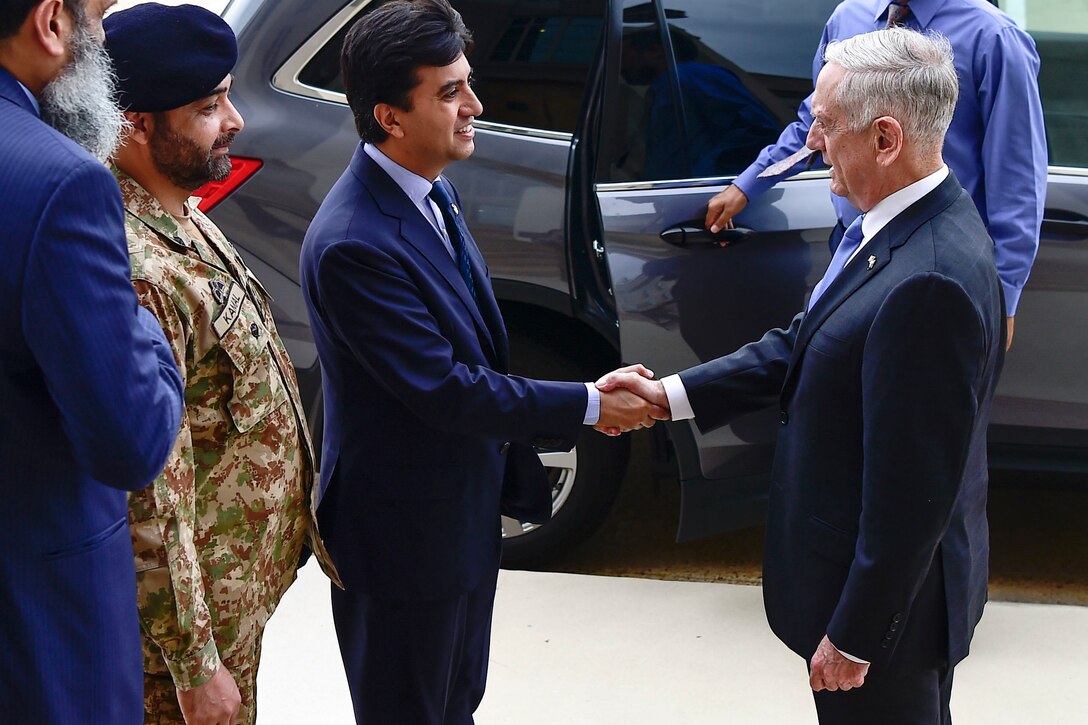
(91, 401)
(418, 407)
(885, 390)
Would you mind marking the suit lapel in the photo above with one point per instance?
(485, 294)
(416, 231)
(869, 262)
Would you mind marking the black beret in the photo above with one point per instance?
(166, 56)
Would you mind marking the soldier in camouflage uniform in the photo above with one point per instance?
(218, 535)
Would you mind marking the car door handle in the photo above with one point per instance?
(692, 233)
(1072, 225)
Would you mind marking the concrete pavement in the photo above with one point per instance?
(585, 650)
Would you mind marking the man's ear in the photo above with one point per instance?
(888, 135)
(51, 26)
(387, 118)
(142, 124)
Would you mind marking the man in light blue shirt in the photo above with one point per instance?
(996, 145)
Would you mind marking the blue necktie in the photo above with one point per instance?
(851, 240)
(441, 196)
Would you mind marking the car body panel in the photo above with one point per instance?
(565, 229)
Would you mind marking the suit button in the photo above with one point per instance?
(255, 330)
(888, 636)
(884, 644)
(897, 617)
(893, 626)
(504, 448)
(783, 417)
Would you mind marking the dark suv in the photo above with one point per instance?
(607, 126)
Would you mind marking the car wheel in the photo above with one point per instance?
(584, 481)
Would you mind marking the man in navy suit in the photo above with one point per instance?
(90, 393)
(876, 552)
(427, 438)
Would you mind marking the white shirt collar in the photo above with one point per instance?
(414, 185)
(416, 188)
(895, 204)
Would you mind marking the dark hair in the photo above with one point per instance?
(13, 14)
(385, 47)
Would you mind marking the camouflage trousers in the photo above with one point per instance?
(161, 698)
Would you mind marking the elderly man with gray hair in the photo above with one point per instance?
(875, 563)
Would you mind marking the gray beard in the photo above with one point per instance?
(79, 102)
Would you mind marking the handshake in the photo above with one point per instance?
(630, 399)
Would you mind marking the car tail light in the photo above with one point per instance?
(214, 192)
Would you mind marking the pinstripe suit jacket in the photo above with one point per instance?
(91, 400)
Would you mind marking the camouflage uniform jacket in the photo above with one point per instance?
(217, 536)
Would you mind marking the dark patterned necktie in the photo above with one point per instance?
(441, 196)
(898, 12)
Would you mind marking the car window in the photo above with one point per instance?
(739, 69)
(1060, 30)
(531, 60)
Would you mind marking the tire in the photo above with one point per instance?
(585, 481)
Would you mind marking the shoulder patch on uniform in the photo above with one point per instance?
(231, 309)
(219, 291)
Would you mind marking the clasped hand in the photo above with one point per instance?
(830, 670)
(630, 399)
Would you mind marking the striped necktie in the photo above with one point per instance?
(441, 196)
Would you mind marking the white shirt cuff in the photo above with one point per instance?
(852, 658)
(593, 405)
(679, 406)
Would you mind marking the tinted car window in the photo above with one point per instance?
(531, 59)
(323, 70)
(1060, 31)
(736, 73)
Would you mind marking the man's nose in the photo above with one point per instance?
(473, 106)
(234, 118)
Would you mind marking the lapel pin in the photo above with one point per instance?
(456, 211)
(872, 261)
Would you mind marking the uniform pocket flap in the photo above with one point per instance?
(257, 388)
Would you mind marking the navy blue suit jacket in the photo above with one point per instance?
(885, 390)
(418, 405)
(91, 401)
